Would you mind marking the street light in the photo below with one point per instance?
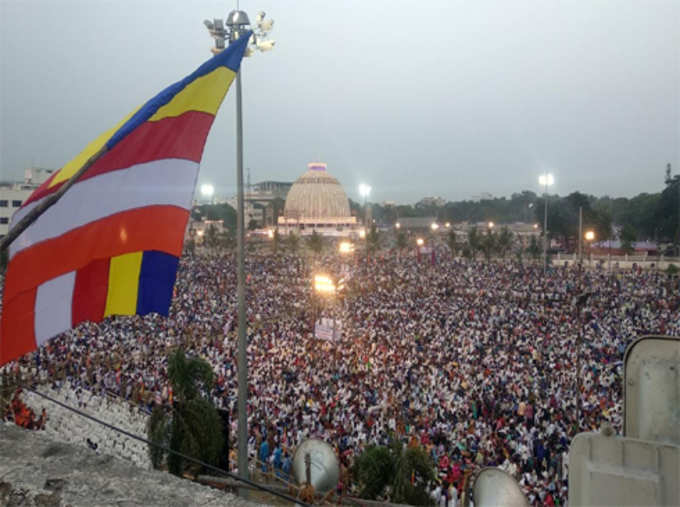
(434, 226)
(589, 237)
(397, 225)
(238, 24)
(420, 242)
(545, 180)
(490, 225)
(346, 247)
(365, 191)
(447, 224)
(362, 233)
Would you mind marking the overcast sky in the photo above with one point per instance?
(431, 98)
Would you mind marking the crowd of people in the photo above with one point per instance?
(477, 362)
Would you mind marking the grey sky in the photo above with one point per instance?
(446, 98)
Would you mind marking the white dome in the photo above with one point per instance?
(316, 194)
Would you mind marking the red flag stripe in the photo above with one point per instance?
(148, 228)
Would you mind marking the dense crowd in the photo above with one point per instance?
(474, 361)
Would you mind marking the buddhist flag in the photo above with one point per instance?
(111, 244)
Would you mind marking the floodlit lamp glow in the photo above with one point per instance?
(420, 241)
(207, 190)
(270, 233)
(590, 235)
(491, 224)
(200, 233)
(397, 225)
(364, 190)
(323, 284)
(545, 180)
(362, 233)
(535, 226)
(434, 226)
(346, 247)
(447, 224)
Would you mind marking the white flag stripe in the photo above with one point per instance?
(161, 182)
(53, 303)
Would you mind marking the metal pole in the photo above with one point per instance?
(242, 339)
(545, 230)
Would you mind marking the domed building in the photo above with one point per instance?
(317, 202)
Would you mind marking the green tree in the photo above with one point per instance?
(315, 242)
(534, 250)
(474, 241)
(372, 239)
(193, 426)
(452, 241)
(628, 235)
(276, 241)
(489, 244)
(211, 239)
(293, 242)
(402, 241)
(505, 240)
(407, 470)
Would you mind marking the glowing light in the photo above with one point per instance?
(200, 233)
(323, 284)
(270, 233)
(420, 241)
(590, 235)
(491, 224)
(545, 180)
(535, 226)
(346, 247)
(434, 226)
(364, 190)
(362, 233)
(397, 225)
(207, 190)
(447, 224)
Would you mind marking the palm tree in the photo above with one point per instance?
(534, 250)
(373, 239)
(474, 241)
(315, 242)
(276, 240)
(293, 242)
(402, 241)
(192, 426)
(406, 470)
(453, 242)
(505, 240)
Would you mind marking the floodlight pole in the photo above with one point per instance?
(241, 286)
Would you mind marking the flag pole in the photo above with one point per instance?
(51, 199)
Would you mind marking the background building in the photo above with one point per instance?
(317, 202)
(13, 194)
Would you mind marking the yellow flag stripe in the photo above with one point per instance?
(203, 94)
(123, 284)
(72, 167)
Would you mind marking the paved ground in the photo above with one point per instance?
(37, 471)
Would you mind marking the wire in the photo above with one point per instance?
(167, 449)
